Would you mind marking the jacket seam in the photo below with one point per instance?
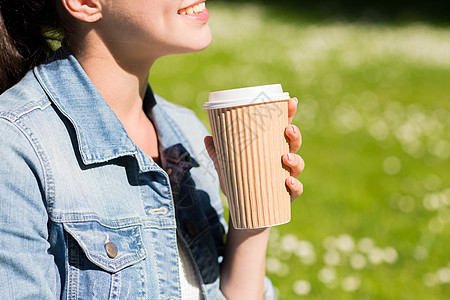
(17, 112)
(112, 224)
(48, 184)
(116, 264)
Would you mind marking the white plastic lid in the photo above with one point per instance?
(246, 96)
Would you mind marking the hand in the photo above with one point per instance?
(292, 160)
(209, 144)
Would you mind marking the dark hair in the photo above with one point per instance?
(26, 30)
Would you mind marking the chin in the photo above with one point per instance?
(198, 47)
(195, 45)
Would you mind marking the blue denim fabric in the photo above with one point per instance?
(71, 180)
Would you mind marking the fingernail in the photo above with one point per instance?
(292, 181)
(289, 157)
(293, 129)
(295, 99)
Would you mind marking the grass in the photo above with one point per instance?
(374, 220)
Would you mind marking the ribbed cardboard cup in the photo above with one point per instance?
(248, 127)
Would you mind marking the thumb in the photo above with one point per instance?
(209, 144)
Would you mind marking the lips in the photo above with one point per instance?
(197, 12)
(196, 8)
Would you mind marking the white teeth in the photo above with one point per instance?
(195, 9)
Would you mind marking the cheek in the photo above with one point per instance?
(158, 28)
(158, 24)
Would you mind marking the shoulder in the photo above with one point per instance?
(16, 105)
(21, 120)
(186, 120)
(184, 114)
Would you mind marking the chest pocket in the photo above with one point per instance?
(111, 248)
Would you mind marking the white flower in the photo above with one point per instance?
(431, 202)
(351, 283)
(289, 243)
(358, 261)
(332, 258)
(420, 253)
(275, 266)
(365, 245)
(430, 279)
(390, 255)
(345, 243)
(376, 256)
(327, 275)
(444, 275)
(392, 165)
(306, 252)
(329, 243)
(301, 287)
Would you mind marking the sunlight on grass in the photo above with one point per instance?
(374, 220)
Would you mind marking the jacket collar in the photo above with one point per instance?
(169, 133)
(99, 133)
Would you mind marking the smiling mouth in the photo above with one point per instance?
(193, 9)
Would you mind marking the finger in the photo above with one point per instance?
(295, 137)
(295, 163)
(209, 144)
(292, 108)
(295, 186)
(210, 148)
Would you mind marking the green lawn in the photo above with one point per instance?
(374, 220)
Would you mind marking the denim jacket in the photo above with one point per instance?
(85, 214)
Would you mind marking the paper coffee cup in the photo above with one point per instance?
(248, 127)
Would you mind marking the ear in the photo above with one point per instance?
(84, 10)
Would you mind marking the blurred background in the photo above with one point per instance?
(373, 80)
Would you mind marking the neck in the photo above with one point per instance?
(121, 77)
(121, 80)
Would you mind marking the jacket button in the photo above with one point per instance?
(111, 250)
(190, 227)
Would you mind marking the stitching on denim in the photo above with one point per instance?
(152, 244)
(177, 263)
(170, 196)
(87, 217)
(158, 211)
(79, 133)
(115, 286)
(19, 111)
(116, 264)
(143, 280)
(73, 263)
(194, 264)
(49, 187)
(114, 224)
(93, 159)
(50, 95)
(141, 195)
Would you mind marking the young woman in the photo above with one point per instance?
(105, 190)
